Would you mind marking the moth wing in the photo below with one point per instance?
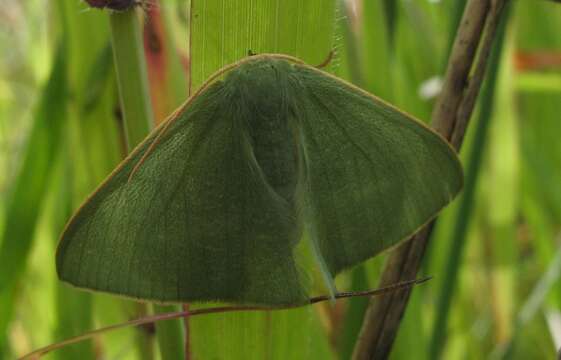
(374, 175)
(194, 222)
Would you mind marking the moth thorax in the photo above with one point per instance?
(262, 86)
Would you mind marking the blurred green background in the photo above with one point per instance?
(495, 255)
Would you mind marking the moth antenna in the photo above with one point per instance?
(327, 60)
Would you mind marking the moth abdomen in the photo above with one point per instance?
(275, 152)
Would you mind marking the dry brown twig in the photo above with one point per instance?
(450, 118)
(187, 313)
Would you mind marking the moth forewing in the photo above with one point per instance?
(212, 205)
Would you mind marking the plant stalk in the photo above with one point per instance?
(136, 107)
(384, 314)
(467, 201)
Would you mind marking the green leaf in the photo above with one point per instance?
(23, 203)
(283, 334)
(224, 31)
(212, 204)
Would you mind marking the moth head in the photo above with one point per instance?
(264, 84)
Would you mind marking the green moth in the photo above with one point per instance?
(211, 205)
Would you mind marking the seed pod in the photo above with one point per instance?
(118, 5)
